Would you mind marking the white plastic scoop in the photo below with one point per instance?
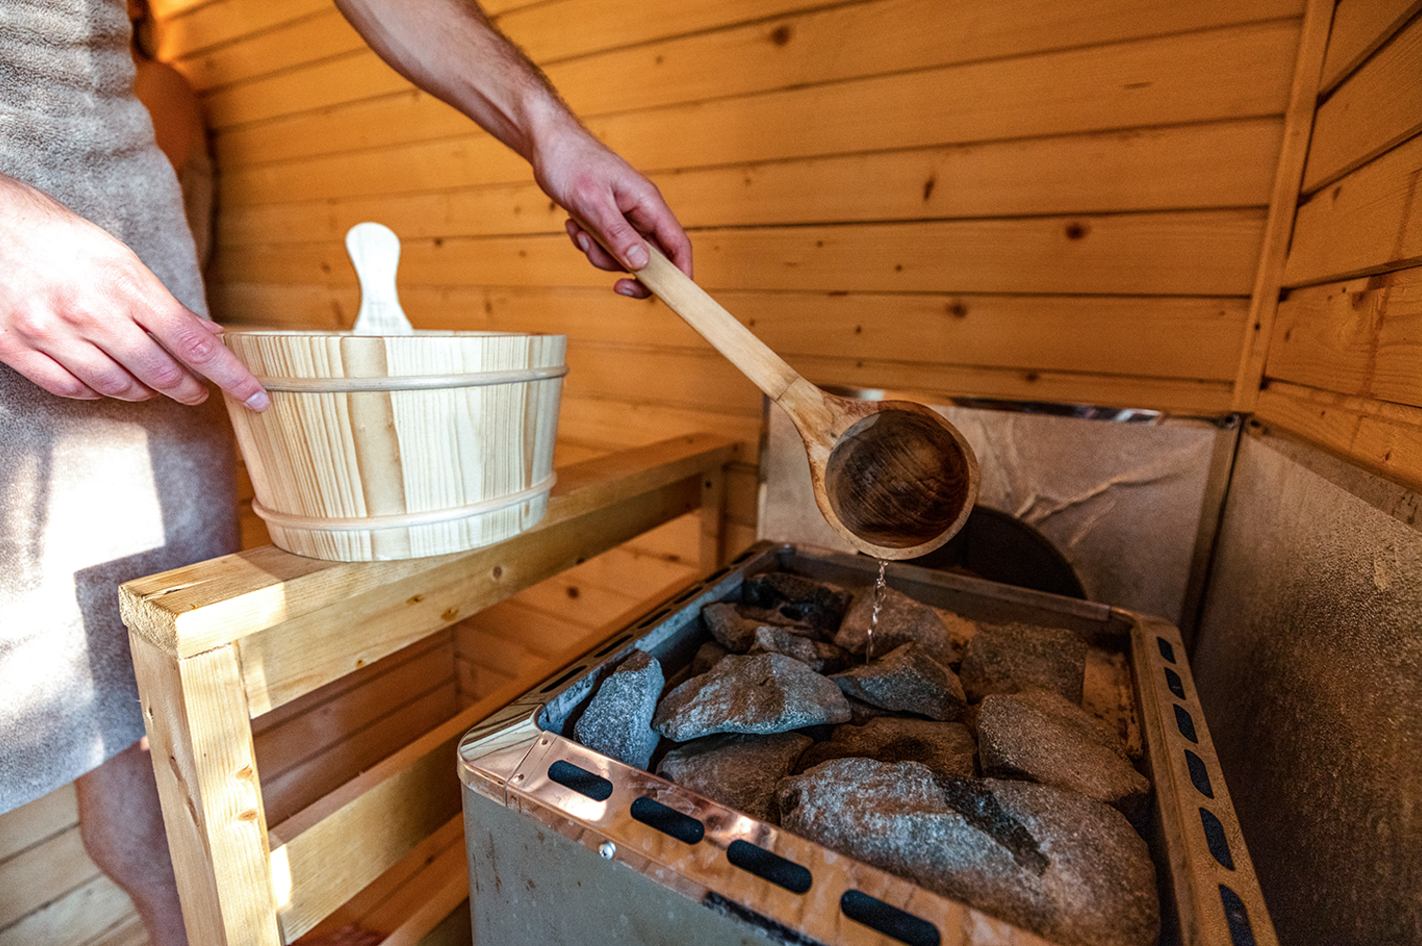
(375, 253)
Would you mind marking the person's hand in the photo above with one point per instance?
(82, 317)
(613, 207)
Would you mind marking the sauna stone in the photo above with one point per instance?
(707, 656)
(1039, 736)
(1055, 862)
(617, 721)
(734, 626)
(739, 771)
(946, 748)
(760, 693)
(820, 656)
(861, 712)
(908, 680)
(797, 600)
(1015, 657)
(902, 620)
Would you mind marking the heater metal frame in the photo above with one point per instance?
(535, 876)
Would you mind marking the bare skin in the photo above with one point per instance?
(81, 317)
(450, 49)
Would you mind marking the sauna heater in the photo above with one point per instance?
(567, 846)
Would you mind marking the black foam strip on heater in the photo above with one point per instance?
(668, 820)
(580, 780)
(768, 866)
(888, 919)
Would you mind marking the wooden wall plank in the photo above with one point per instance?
(201, 26)
(1190, 336)
(1360, 27)
(1149, 169)
(345, 702)
(1377, 107)
(1202, 253)
(685, 380)
(872, 38)
(313, 731)
(31, 823)
(42, 872)
(318, 34)
(1361, 338)
(1369, 221)
(412, 869)
(1238, 72)
(336, 761)
(82, 916)
(1283, 202)
(1375, 435)
(736, 48)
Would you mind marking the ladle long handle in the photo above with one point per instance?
(767, 370)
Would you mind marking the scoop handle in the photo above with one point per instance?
(375, 253)
(805, 403)
(767, 370)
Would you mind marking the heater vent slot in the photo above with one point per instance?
(1185, 723)
(1215, 839)
(1172, 680)
(1236, 917)
(580, 780)
(1198, 775)
(563, 679)
(889, 920)
(612, 646)
(1166, 650)
(654, 814)
(768, 866)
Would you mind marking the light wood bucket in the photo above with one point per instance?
(380, 447)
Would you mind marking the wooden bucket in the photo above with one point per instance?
(380, 447)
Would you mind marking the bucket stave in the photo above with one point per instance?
(380, 447)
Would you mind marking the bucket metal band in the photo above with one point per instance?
(413, 382)
(401, 520)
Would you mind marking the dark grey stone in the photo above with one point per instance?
(617, 721)
(820, 656)
(763, 693)
(1039, 736)
(734, 626)
(906, 679)
(729, 627)
(1051, 861)
(797, 600)
(1015, 657)
(707, 656)
(946, 748)
(739, 771)
(902, 620)
(861, 712)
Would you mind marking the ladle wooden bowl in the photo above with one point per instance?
(894, 478)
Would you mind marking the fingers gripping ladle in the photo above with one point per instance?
(894, 478)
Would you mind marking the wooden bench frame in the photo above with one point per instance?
(219, 643)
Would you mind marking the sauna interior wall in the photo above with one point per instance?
(1020, 199)
(1308, 655)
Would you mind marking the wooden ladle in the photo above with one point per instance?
(894, 478)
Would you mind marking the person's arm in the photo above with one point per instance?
(82, 317)
(451, 50)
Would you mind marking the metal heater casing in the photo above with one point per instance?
(568, 846)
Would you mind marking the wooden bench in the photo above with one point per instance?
(220, 643)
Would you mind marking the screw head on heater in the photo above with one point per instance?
(607, 849)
